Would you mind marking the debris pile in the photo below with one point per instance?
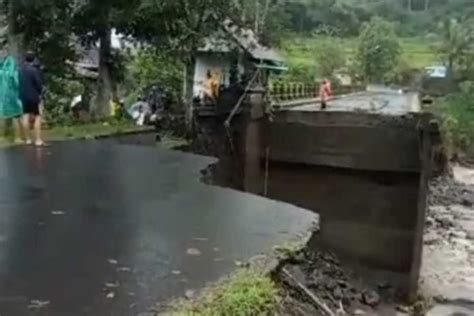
(317, 284)
(446, 191)
(450, 203)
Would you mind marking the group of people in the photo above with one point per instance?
(21, 90)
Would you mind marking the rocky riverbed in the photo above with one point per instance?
(317, 284)
(448, 257)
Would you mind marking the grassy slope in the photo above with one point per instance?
(417, 52)
(82, 131)
(247, 292)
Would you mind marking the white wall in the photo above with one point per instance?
(212, 62)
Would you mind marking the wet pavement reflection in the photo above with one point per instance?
(100, 229)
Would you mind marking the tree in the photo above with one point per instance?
(44, 27)
(9, 9)
(267, 18)
(330, 57)
(457, 44)
(152, 67)
(180, 27)
(93, 23)
(378, 51)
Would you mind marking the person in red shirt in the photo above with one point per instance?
(325, 93)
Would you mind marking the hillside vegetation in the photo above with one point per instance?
(300, 52)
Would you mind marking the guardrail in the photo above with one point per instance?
(289, 91)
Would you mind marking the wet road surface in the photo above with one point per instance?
(98, 229)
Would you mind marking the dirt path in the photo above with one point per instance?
(448, 257)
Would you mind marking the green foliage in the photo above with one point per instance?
(328, 17)
(378, 51)
(289, 250)
(417, 53)
(42, 28)
(59, 93)
(91, 19)
(153, 67)
(80, 131)
(178, 26)
(458, 120)
(267, 18)
(89, 131)
(403, 74)
(247, 293)
(330, 56)
(457, 46)
(346, 17)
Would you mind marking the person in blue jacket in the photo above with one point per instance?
(31, 90)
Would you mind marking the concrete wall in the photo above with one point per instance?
(370, 217)
(347, 140)
(364, 175)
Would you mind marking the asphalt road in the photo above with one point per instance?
(101, 229)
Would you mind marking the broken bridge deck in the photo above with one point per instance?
(367, 161)
(371, 130)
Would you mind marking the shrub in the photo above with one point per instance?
(247, 293)
(457, 113)
(59, 93)
(151, 67)
(330, 56)
(379, 51)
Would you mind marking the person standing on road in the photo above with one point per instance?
(31, 89)
(325, 93)
(10, 104)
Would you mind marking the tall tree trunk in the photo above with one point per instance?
(409, 5)
(266, 9)
(257, 17)
(106, 85)
(12, 42)
(427, 5)
(188, 87)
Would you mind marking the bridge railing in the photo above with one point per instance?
(289, 91)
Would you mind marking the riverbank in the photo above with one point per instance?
(448, 257)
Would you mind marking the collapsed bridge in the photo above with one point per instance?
(363, 165)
